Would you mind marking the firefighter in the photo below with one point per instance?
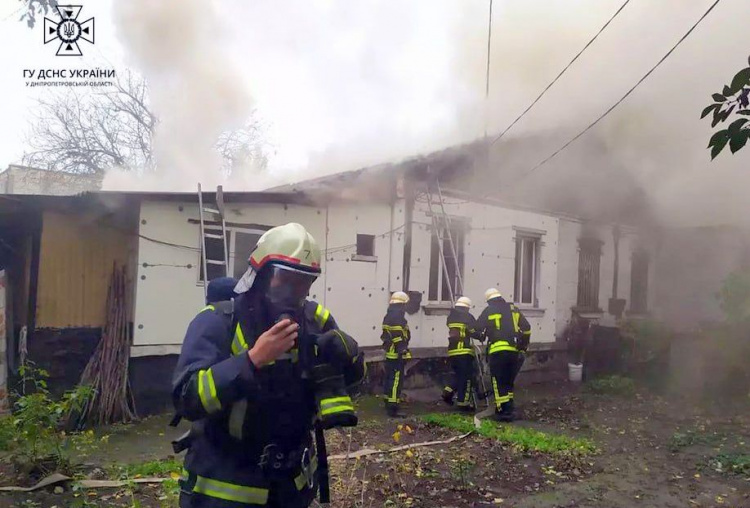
(249, 378)
(220, 290)
(461, 329)
(506, 330)
(395, 339)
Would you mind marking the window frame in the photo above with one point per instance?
(521, 240)
(596, 251)
(639, 256)
(232, 232)
(461, 227)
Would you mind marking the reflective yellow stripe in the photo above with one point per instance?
(395, 328)
(516, 317)
(406, 355)
(394, 390)
(207, 307)
(391, 356)
(501, 345)
(336, 409)
(230, 492)
(460, 327)
(208, 396)
(239, 344)
(336, 400)
(497, 392)
(343, 341)
(321, 315)
(460, 351)
(301, 480)
(237, 418)
(497, 318)
(336, 405)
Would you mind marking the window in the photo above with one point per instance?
(444, 279)
(527, 270)
(589, 257)
(245, 242)
(240, 243)
(365, 245)
(639, 283)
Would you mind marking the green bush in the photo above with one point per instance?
(7, 431)
(612, 385)
(39, 444)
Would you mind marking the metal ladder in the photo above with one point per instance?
(215, 232)
(439, 229)
(443, 229)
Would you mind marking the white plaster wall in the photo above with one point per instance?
(169, 296)
(357, 292)
(489, 261)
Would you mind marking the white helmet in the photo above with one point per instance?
(399, 297)
(491, 293)
(464, 301)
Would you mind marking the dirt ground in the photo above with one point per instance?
(652, 452)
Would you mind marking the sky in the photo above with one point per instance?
(342, 84)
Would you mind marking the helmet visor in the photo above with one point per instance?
(293, 284)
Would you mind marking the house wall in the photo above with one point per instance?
(77, 253)
(168, 290)
(567, 282)
(489, 262)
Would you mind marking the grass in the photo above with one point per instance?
(612, 385)
(731, 463)
(521, 438)
(155, 468)
(680, 440)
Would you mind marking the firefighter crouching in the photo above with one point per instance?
(461, 329)
(395, 339)
(254, 374)
(506, 330)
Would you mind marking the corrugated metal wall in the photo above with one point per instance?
(75, 264)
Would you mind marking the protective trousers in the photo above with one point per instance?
(394, 380)
(282, 493)
(503, 368)
(462, 386)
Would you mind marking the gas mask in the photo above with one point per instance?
(285, 290)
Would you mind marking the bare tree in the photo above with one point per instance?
(88, 133)
(33, 8)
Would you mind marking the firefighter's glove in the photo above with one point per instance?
(336, 355)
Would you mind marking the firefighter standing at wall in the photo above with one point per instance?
(506, 329)
(461, 329)
(253, 375)
(395, 338)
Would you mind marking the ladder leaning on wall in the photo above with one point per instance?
(441, 224)
(215, 230)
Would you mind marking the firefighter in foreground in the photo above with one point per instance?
(461, 329)
(253, 375)
(395, 338)
(507, 332)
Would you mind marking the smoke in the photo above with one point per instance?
(196, 91)
(351, 84)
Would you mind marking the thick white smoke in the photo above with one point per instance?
(196, 91)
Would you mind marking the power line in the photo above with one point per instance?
(645, 76)
(559, 75)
